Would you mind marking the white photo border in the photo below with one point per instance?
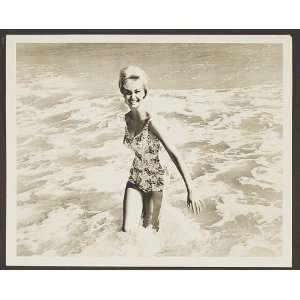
(11, 199)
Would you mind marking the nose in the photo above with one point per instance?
(133, 96)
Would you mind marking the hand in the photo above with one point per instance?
(193, 202)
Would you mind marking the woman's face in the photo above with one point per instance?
(134, 93)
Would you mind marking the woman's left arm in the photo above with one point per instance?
(158, 130)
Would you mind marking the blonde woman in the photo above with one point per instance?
(145, 135)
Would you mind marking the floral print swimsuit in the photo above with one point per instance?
(146, 172)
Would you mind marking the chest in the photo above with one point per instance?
(142, 143)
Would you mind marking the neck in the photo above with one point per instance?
(138, 114)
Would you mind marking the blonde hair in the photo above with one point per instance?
(133, 73)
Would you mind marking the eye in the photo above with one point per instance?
(126, 92)
(137, 91)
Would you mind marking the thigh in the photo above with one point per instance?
(151, 209)
(132, 208)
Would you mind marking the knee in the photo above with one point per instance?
(129, 228)
(126, 228)
(147, 219)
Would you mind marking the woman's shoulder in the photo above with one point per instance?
(148, 116)
(152, 116)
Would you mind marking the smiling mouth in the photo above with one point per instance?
(134, 102)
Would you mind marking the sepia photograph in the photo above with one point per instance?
(149, 150)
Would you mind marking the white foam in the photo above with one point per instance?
(87, 156)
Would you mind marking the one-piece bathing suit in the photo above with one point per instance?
(146, 171)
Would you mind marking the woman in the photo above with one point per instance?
(145, 136)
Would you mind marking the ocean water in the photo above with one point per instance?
(222, 107)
